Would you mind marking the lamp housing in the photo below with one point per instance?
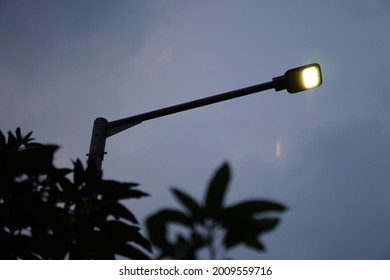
(299, 79)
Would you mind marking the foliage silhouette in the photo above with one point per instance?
(211, 225)
(46, 215)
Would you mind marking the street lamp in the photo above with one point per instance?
(299, 79)
(294, 80)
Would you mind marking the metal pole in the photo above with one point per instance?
(191, 105)
(98, 142)
(103, 129)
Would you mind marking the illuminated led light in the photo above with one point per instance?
(311, 77)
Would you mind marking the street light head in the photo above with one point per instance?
(299, 79)
(303, 78)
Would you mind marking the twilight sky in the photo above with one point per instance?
(324, 153)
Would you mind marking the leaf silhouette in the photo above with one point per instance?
(252, 207)
(118, 211)
(191, 204)
(157, 225)
(119, 232)
(216, 191)
(12, 142)
(78, 175)
(2, 139)
(28, 138)
(255, 244)
(247, 230)
(19, 136)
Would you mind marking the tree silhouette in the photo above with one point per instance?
(211, 225)
(60, 213)
(46, 213)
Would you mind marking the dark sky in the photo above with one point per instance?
(324, 153)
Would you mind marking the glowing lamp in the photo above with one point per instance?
(299, 79)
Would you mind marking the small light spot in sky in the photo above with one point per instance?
(278, 148)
